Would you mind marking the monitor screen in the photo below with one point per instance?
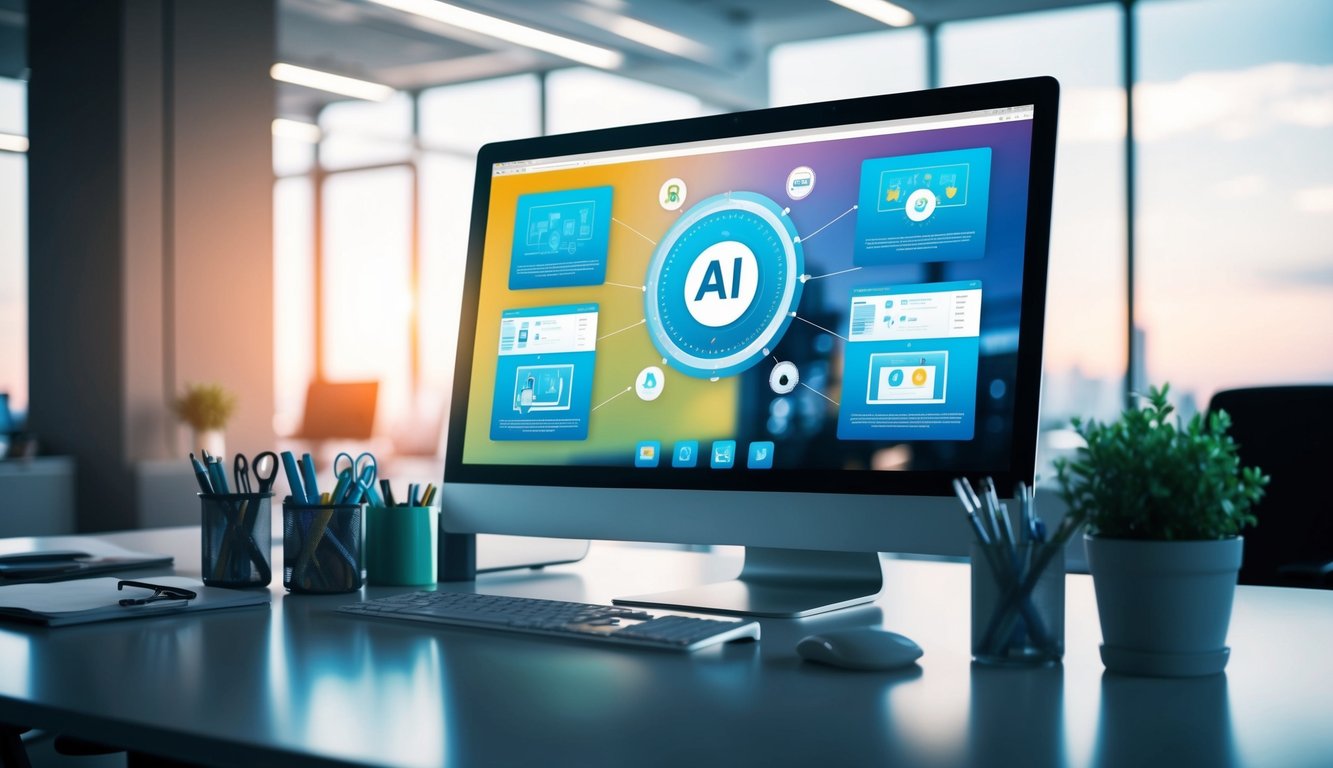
(844, 297)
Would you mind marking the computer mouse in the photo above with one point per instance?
(860, 648)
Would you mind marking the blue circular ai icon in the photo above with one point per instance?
(722, 284)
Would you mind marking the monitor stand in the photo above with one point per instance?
(780, 583)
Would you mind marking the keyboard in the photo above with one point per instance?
(579, 621)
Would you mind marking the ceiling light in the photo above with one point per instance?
(11, 143)
(296, 130)
(880, 10)
(655, 37)
(326, 81)
(508, 31)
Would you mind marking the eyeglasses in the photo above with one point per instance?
(160, 593)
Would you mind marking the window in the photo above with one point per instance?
(293, 299)
(584, 99)
(1234, 124)
(1086, 300)
(369, 301)
(14, 244)
(848, 66)
(456, 120)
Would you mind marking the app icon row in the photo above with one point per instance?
(721, 454)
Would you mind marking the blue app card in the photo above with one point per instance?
(760, 456)
(924, 389)
(686, 454)
(723, 455)
(561, 239)
(543, 373)
(928, 207)
(647, 453)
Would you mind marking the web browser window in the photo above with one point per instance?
(757, 303)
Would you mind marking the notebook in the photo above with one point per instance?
(57, 558)
(88, 600)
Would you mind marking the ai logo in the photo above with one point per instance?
(721, 283)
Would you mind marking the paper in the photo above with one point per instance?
(88, 600)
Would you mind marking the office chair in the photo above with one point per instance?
(1288, 433)
(339, 410)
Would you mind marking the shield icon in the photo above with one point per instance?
(949, 192)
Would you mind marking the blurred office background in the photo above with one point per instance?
(1192, 231)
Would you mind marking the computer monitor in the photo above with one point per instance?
(787, 329)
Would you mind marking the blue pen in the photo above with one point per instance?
(218, 475)
(294, 479)
(368, 482)
(344, 487)
(201, 475)
(311, 480)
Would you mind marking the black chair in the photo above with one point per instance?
(1288, 433)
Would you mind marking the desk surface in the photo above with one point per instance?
(299, 685)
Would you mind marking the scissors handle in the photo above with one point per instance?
(240, 469)
(265, 478)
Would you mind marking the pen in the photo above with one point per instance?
(308, 473)
(294, 479)
(367, 486)
(340, 490)
(201, 475)
(977, 527)
(388, 492)
(218, 475)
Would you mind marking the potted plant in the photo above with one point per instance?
(206, 408)
(1164, 501)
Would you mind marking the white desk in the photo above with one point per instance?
(299, 685)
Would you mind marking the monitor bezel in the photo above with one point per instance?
(1040, 92)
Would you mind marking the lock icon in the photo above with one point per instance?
(673, 194)
(650, 381)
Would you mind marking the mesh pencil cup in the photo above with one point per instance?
(236, 539)
(323, 547)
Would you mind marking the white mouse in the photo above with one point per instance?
(860, 648)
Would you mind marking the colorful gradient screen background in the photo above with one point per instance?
(803, 424)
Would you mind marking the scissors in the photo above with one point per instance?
(241, 469)
(359, 482)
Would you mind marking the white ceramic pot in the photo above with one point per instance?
(1164, 605)
(212, 440)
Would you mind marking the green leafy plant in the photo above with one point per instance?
(1149, 476)
(205, 406)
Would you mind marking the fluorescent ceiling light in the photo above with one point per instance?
(297, 130)
(880, 10)
(655, 37)
(11, 143)
(508, 31)
(327, 81)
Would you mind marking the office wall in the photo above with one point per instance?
(151, 230)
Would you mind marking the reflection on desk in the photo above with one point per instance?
(301, 685)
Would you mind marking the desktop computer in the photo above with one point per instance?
(786, 329)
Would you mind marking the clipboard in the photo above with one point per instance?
(89, 600)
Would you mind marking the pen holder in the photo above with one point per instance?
(322, 548)
(401, 545)
(1018, 603)
(237, 539)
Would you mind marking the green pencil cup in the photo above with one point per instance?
(323, 548)
(401, 545)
